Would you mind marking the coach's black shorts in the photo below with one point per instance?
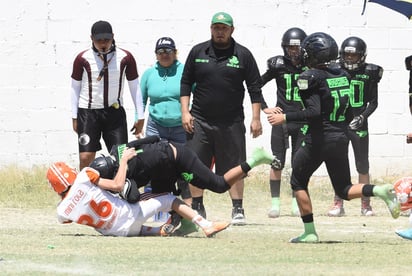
(224, 144)
(93, 124)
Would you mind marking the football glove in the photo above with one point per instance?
(356, 123)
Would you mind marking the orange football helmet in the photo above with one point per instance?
(61, 176)
(403, 189)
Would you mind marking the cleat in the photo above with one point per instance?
(238, 216)
(274, 213)
(172, 224)
(295, 213)
(367, 211)
(366, 208)
(306, 238)
(387, 194)
(337, 209)
(259, 156)
(186, 227)
(406, 234)
(276, 164)
(215, 228)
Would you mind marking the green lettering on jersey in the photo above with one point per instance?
(337, 82)
(201, 60)
(339, 89)
(291, 91)
(357, 88)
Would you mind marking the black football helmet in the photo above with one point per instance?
(319, 49)
(292, 37)
(105, 165)
(352, 45)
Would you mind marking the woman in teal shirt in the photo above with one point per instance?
(160, 85)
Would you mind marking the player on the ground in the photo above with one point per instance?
(83, 202)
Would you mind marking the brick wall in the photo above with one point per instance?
(39, 40)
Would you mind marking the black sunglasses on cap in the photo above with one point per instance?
(164, 50)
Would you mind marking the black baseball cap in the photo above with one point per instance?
(102, 30)
(165, 43)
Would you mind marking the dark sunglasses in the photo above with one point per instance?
(162, 51)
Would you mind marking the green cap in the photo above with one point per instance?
(223, 18)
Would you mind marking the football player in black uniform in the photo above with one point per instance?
(162, 163)
(326, 96)
(364, 85)
(285, 70)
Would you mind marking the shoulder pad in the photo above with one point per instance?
(305, 79)
(276, 62)
(374, 71)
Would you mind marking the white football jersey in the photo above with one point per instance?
(86, 203)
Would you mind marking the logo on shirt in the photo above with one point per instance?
(188, 177)
(201, 60)
(233, 62)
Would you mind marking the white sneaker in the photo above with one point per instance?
(238, 216)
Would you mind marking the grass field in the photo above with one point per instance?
(32, 242)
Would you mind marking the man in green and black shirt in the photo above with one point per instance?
(216, 71)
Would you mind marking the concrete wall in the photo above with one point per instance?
(39, 40)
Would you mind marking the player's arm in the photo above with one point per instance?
(375, 72)
(274, 66)
(117, 183)
(136, 94)
(75, 95)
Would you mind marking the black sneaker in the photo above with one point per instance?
(172, 224)
(238, 216)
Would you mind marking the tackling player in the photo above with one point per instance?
(83, 202)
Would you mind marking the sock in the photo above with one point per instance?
(309, 227)
(150, 231)
(259, 156)
(274, 188)
(199, 220)
(197, 201)
(245, 167)
(237, 203)
(367, 190)
(275, 203)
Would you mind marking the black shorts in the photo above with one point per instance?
(224, 144)
(360, 145)
(93, 124)
(156, 164)
(280, 139)
(308, 159)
